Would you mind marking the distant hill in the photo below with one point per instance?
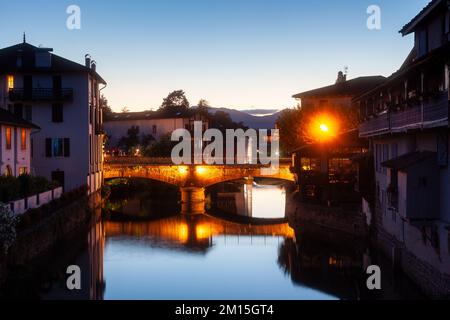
(256, 119)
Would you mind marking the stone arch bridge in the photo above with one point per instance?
(191, 179)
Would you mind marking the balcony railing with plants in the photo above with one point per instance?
(41, 94)
(424, 111)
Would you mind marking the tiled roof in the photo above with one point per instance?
(147, 115)
(348, 88)
(10, 119)
(8, 61)
(407, 28)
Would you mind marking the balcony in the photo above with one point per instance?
(434, 113)
(41, 94)
(374, 126)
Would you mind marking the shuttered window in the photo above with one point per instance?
(57, 112)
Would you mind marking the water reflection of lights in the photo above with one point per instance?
(186, 230)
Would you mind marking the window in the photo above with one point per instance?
(57, 147)
(8, 137)
(23, 139)
(23, 171)
(57, 112)
(18, 110)
(8, 171)
(154, 129)
(28, 113)
(10, 82)
(310, 164)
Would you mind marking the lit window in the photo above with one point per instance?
(23, 171)
(8, 138)
(8, 171)
(10, 82)
(23, 139)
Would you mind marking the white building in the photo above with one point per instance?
(15, 145)
(62, 98)
(407, 121)
(154, 123)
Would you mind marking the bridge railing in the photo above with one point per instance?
(128, 160)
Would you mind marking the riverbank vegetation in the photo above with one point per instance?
(15, 188)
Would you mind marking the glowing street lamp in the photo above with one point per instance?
(323, 127)
(200, 170)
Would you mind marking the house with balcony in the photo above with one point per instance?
(406, 121)
(15, 145)
(61, 97)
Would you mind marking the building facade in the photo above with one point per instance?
(15, 144)
(406, 121)
(327, 172)
(150, 123)
(62, 98)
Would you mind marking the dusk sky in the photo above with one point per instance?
(234, 53)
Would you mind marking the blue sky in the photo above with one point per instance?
(234, 53)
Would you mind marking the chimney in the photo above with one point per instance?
(87, 59)
(341, 78)
(94, 65)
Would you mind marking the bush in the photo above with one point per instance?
(8, 222)
(9, 189)
(12, 188)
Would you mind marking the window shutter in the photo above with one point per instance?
(57, 112)
(66, 147)
(48, 147)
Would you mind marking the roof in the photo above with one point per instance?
(10, 119)
(348, 88)
(405, 161)
(8, 61)
(410, 26)
(148, 115)
(409, 65)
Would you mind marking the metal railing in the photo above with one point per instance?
(427, 114)
(41, 94)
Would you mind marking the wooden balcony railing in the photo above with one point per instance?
(41, 94)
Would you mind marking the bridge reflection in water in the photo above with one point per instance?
(206, 257)
(192, 232)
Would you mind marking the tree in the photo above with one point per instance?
(161, 148)
(203, 107)
(298, 126)
(131, 140)
(106, 109)
(221, 120)
(125, 110)
(175, 101)
(289, 124)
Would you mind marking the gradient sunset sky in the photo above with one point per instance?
(234, 53)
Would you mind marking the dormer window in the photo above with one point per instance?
(43, 59)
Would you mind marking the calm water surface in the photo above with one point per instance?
(243, 248)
